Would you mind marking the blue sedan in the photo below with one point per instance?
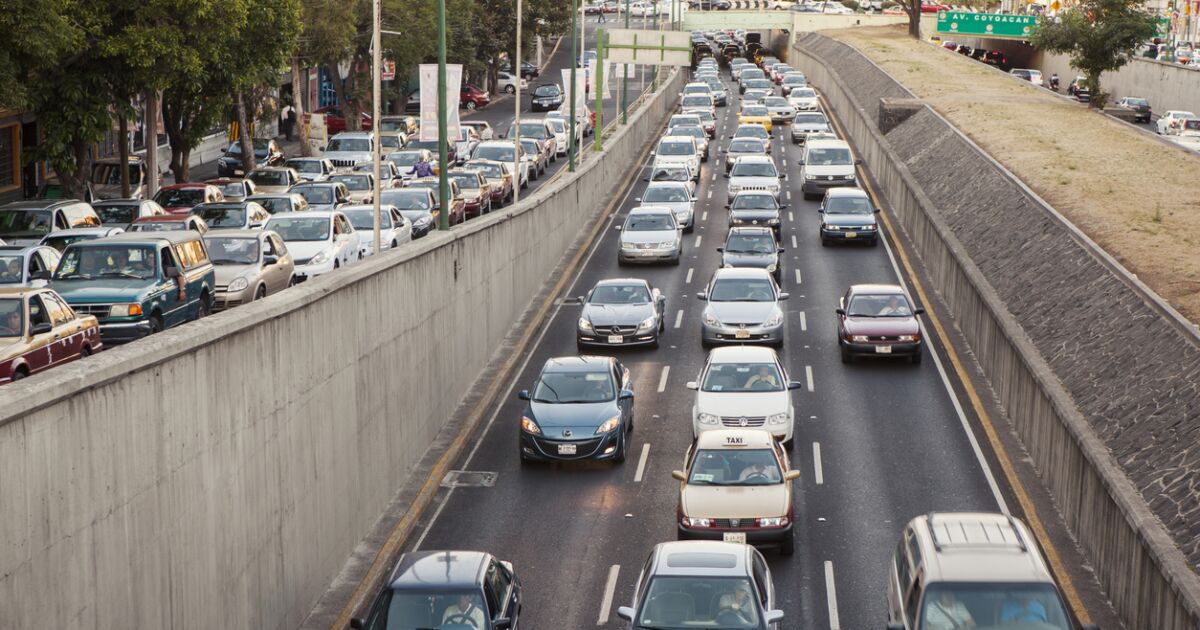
(581, 408)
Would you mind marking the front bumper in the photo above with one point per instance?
(850, 234)
(757, 536)
(124, 332)
(223, 300)
(819, 186)
(601, 338)
(307, 272)
(872, 348)
(597, 447)
(648, 255)
(720, 333)
(782, 119)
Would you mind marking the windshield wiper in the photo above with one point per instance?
(747, 300)
(861, 315)
(68, 276)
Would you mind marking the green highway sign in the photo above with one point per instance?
(986, 24)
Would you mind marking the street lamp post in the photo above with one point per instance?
(375, 108)
(443, 150)
(571, 144)
(516, 66)
(625, 76)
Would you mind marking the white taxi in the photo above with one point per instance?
(737, 487)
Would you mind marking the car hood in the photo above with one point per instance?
(352, 156)
(850, 219)
(753, 313)
(650, 236)
(756, 214)
(228, 273)
(886, 326)
(602, 315)
(812, 128)
(737, 404)
(730, 259)
(745, 502)
(105, 290)
(306, 249)
(754, 182)
(580, 418)
(831, 169)
(675, 206)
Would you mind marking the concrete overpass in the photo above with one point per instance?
(779, 28)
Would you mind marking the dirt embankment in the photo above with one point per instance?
(1138, 199)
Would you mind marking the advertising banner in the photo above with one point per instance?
(429, 102)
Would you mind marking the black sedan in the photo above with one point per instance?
(546, 97)
(465, 590)
(755, 208)
(752, 247)
(580, 408)
(266, 153)
(621, 312)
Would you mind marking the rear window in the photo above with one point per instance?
(693, 560)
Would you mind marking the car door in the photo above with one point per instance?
(345, 241)
(67, 332)
(39, 355)
(762, 577)
(501, 588)
(279, 275)
(621, 377)
(171, 305)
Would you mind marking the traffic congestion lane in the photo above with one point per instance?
(891, 445)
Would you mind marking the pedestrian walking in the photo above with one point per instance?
(287, 119)
(602, 18)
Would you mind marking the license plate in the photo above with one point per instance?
(616, 339)
(883, 349)
(566, 449)
(238, 171)
(735, 537)
(851, 234)
(742, 334)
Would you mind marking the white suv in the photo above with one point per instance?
(349, 148)
(744, 387)
(678, 151)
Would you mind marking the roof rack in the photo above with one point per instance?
(938, 545)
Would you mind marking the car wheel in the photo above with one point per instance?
(915, 359)
(847, 357)
(261, 292)
(85, 351)
(654, 344)
(787, 547)
(511, 89)
(471, 105)
(824, 242)
(156, 324)
(205, 308)
(291, 282)
(704, 343)
(395, 245)
(874, 242)
(336, 265)
(619, 457)
(19, 374)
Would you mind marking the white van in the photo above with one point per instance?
(827, 163)
(971, 570)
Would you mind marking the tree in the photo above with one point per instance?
(262, 47)
(36, 34)
(912, 8)
(1098, 35)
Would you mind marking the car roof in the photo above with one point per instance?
(607, 282)
(438, 570)
(741, 438)
(181, 236)
(236, 233)
(354, 134)
(742, 272)
(17, 249)
(118, 202)
(742, 354)
(163, 218)
(701, 558)
(651, 209)
(84, 230)
(37, 204)
(755, 157)
(878, 289)
(846, 191)
(751, 230)
(586, 363)
(828, 143)
(978, 546)
(307, 214)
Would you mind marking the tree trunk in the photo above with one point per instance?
(298, 103)
(123, 150)
(76, 181)
(244, 136)
(150, 133)
(914, 18)
(175, 127)
(1096, 98)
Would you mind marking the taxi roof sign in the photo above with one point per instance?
(735, 438)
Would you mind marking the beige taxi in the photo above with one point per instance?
(737, 487)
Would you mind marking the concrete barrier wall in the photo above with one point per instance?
(219, 474)
(1008, 267)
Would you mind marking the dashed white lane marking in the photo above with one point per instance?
(830, 597)
(710, 194)
(808, 376)
(679, 318)
(611, 587)
(818, 472)
(688, 279)
(662, 380)
(699, 238)
(794, 245)
(797, 276)
(791, 217)
(803, 322)
(704, 215)
(641, 469)
(789, 195)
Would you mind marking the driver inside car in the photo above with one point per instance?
(466, 612)
(738, 603)
(764, 379)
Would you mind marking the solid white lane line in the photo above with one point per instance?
(830, 597)
(797, 276)
(641, 469)
(662, 380)
(710, 194)
(704, 215)
(679, 318)
(790, 216)
(808, 376)
(794, 245)
(818, 473)
(699, 238)
(688, 279)
(803, 322)
(609, 588)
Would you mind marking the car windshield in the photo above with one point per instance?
(775, 101)
(679, 121)
(305, 166)
(848, 205)
(361, 145)
(761, 84)
(530, 146)
(747, 145)
(426, 609)
(488, 170)
(300, 229)
(110, 174)
(754, 201)
(392, 125)
(752, 131)
(828, 157)
(179, 197)
(742, 290)
(811, 119)
(546, 90)
(695, 132)
(743, 168)
(755, 110)
(679, 174)
(232, 189)
(676, 148)
(670, 194)
(494, 152)
(729, 467)
(389, 141)
(693, 88)
(795, 80)
(406, 199)
(86, 261)
(260, 147)
(696, 601)
(804, 93)
(706, 116)
(649, 222)
(221, 216)
(275, 204)
(534, 130)
(963, 605)
(697, 100)
(574, 387)
(742, 377)
(61, 241)
(232, 251)
(1140, 102)
(364, 219)
(159, 226)
(465, 180)
(750, 244)
(270, 178)
(12, 317)
(315, 194)
(620, 294)
(558, 125)
(893, 305)
(404, 158)
(116, 212)
(353, 182)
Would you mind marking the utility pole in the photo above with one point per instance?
(625, 77)
(376, 67)
(597, 133)
(516, 66)
(443, 150)
(575, 44)
(150, 139)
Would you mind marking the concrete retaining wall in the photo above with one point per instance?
(219, 474)
(1097, 375)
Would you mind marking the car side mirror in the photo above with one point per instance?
(692, 385)
(270, 260)
(794, 385)
(40, 275)
(800, 160)
(626, 394)
(41, 329)
(356, 623)
(839, 311)
(919, 311)
(791, 475)
(721, 249)
(783, 176)
(780, 250)
(678, 474)
(173, 272)
(774, 616)
(702, 296)
(637, 199)
(523, 394)
(726, 175)
(626, 613)
(877, 210)
(503, 623)
(617, 228)
(784, 295)
(858, 161)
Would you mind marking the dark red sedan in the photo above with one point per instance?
(878, 320)
(471, 97)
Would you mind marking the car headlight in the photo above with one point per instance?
(221, 162)
(778, 418)
(910, 337)
(711, 319)
(609, 425)
(647, 323)
(807, 176)
(529, 426)
(829, 226)
(238, 284)
(585, 325)
(774, 221)
(125, 310)
(691, 521)
(774, 521)
(858, 338)
(666, 244)
(707, 418)
(321, 257)
(775, 319)
(772, 267)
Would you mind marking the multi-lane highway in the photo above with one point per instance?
(878, 442)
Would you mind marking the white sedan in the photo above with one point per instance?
(394, 230)
(744, 387)
(320, 241)
(1170, 122)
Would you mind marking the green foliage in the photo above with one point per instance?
(1098, 35)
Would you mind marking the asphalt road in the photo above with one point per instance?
(878, 442)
